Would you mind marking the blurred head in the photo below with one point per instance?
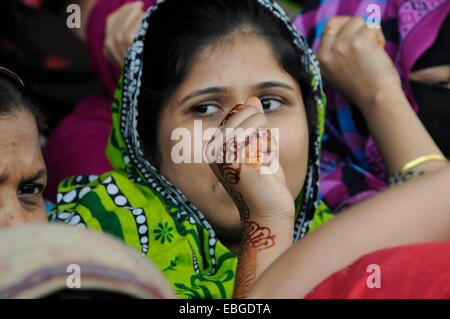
(23, 175)
(202, 58)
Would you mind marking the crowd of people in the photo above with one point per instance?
(87, 122)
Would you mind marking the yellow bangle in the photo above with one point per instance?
(422, 159)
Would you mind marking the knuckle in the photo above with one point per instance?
(107, 44)
(359, 20)
(129, 38)
(339, 48)
(120, 38)
(324, 58)
(331, 24)
(358, 43)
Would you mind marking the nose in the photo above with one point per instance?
(254, 101)
(11, 212)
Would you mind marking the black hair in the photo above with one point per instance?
(14, 99)
(177, 33)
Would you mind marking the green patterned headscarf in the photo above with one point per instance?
(138, 205)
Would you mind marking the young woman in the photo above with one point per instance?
(230, 65)
(23, 175)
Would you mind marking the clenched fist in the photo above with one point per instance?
(353, 61)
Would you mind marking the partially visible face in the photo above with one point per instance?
(225, 75)
(22, 171)
(437, 75)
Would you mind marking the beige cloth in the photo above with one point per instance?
(34, 261)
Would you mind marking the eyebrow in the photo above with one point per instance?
(224, 90)
(270, 84)
(210, 90)
(36, 176)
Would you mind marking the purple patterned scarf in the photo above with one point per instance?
(352, 168)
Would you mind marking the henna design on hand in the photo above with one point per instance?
(230, 174)
(233, 111)
(256, 238)
(262, 141)
(260, 237)
(246, 271)
(257, 151)
(239, 202)
(229, 169)
(254, 151)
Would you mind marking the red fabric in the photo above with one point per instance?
(419, 271)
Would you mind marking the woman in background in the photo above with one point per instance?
(417, 37)
(110, 28)
(23, 175)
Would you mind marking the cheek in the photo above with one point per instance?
(39, 215)
(294, 154)
(194, 180)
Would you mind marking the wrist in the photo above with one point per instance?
(384, 99)
(277, 217)
(269, 232)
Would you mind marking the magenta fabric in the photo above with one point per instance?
(104, 69)
(77, 146)
(352, 168)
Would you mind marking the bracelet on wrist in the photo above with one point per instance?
(422, 159)
(403, 177)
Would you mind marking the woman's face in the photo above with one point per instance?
(22, 171)
(438, 75)
(222, 76)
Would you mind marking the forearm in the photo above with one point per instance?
(263, 242)
(415, 212)
(398, 132)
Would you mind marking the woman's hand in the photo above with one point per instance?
(121, 28)
(243, 156)
(353, 61)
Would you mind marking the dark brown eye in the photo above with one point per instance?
(30, 189)
(206, 109)
(271, 104)
(443, 83)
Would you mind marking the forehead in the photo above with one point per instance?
(19, 142)
(241, 58)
